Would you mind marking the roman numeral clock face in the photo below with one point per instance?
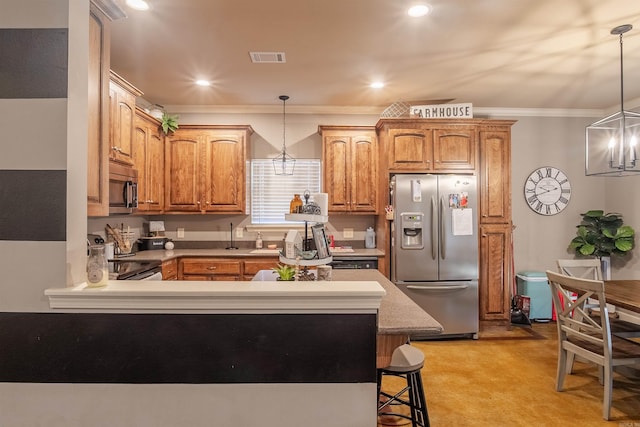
(547, 190)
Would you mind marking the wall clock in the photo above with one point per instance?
(547, 190)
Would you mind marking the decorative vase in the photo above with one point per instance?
(605, 265)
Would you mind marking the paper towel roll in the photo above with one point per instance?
(322, 199)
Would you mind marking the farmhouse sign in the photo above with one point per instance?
(443, 111)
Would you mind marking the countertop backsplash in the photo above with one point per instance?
(214, 231)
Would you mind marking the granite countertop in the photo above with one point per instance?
(398, 313)
(164, 255)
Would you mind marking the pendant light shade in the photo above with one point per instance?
(284, 164)
(611, 142)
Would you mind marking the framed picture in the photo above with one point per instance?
(320, 239)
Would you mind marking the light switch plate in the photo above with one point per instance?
(180, 233)
(239, 232)
(348, 233)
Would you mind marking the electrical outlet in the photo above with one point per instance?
(180, 233)
(347, 233)
(239, 232)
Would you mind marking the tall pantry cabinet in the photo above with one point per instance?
(470, 146)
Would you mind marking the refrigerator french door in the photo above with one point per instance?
(434, 247)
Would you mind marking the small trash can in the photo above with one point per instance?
(534, 285)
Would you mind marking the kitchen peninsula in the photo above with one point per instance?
(310, 344)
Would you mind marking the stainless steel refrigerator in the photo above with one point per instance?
(434, 247)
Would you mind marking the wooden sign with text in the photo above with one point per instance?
(443, 111)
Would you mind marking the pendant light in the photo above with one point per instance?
(284, 164)
(611, 142)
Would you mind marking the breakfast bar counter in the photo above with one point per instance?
(312, 344)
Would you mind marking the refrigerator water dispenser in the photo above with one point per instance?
(412, 236)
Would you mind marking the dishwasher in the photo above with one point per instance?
(354, 263)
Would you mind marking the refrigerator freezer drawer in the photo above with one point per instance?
(453, 304)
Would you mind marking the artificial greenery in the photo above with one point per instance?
(285, 272)
(169, 123)
(600, 235)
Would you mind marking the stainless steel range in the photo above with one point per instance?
(134, 270)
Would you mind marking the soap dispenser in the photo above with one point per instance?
(370, 239)
(259, 241)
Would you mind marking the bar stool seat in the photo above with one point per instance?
(406, 362)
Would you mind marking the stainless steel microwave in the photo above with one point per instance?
(123, 189)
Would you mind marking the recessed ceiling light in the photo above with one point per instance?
(138, 4)
(419, 10)
(203, 83)
(377, 85)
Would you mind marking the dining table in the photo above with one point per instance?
(625, 296)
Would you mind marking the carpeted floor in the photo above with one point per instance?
(507, 378)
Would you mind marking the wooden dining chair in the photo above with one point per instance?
(589, 268)
(579, 334)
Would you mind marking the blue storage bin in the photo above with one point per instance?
(534, 285)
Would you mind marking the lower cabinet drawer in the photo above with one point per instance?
(207, 266)
(212, 277)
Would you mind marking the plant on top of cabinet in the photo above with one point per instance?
(169, 123)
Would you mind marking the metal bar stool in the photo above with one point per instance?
(406, 362)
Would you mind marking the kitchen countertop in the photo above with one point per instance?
(164, 255)
(349, 290)
(398, 314)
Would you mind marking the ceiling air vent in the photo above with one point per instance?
(267, 57)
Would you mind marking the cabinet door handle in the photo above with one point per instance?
(211, 268)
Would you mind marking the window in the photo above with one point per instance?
(271, 193)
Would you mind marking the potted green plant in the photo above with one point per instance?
(168, 123)
(602, 235)
(284, 272)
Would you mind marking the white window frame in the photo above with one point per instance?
(270, 194)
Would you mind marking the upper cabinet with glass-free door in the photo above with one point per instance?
(205, 168)
(122, 98)
(350, 158)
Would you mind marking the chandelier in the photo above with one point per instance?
(611, 142)
(284, 164)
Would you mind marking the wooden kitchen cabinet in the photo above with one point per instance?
(205, 169)
(170, 269)
(495, 175)
(410, 149)
(147, 154)
(350, 159)
(495, 272)
(122, 100)
(253, 265)
(494, 191)
(209, 269)
(98, 112)
(419, 145)
(470, 146)
(454, 149)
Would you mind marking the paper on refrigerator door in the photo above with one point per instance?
(416, 191)
(462, 222)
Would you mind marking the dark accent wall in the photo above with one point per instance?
(33, 62)
(33, 65)
(187, 348)
(33, 205)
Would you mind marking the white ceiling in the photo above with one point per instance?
(492, 53)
